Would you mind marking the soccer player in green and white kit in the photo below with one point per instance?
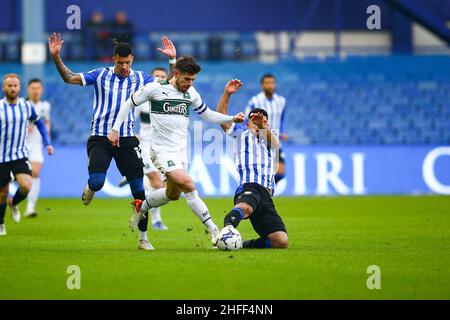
(170, 105)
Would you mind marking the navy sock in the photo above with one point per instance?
(96, 181)
(260, 243)
(137, 188)
(279, 177)
(233, 217)
(18, 197)
(2, 212)
(138, 191)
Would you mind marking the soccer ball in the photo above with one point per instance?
(229, 239)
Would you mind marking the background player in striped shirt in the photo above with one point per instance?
(255, 151)
(275, 106)
(170, 106)
(14, 116)
(112, 87)
(155, 181)
(34, 142)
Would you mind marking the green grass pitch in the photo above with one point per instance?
(332, 242)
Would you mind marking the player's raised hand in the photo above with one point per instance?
(259, 120)
(233, 86)
(50, 150)
(168, 48)
(113, 138)
(239, 118)
(55, 44)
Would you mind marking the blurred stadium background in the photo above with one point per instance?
(368, 111)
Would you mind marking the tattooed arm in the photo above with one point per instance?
(55, 45)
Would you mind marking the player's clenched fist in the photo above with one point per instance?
(50, 150)
(113, 138)
(239, 118)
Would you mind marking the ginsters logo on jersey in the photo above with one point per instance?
(178, 109)
(171, 106)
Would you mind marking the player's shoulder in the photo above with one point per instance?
(101, 69)
(141, 73)
(193, 93)
(154, 84)
(151, 87)
(28, 103)
(192, 90)
(46, 106)
(280, 97)
(256, 96)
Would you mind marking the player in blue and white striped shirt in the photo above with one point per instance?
(14, 116)
(275, 106)
(112, 87)
(255, 150)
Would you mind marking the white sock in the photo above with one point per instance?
(156, 215)
(155, 199)
(200, 209)
(142, 235)
(33, 195)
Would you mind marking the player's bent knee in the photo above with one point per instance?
(25, 187)
(187, 185)
(279, 240)
(173, 195)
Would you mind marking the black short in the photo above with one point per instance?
(265, 219)
(127, 156)
(14, 167)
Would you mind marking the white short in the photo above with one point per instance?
(168, 161)
(35, 153)
(149, 167)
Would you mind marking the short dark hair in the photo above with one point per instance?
(187, 64)
(258, 110)
(35, 80)
(122, 49)
(159, 69)
(267, 76)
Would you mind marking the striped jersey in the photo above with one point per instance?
(14, 125)
(275, 108)
(254, 159)
(110, 92)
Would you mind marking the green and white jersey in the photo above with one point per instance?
(169, 114)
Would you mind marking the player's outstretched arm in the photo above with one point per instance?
(219, 118)
(231, 87)
(54, 46)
